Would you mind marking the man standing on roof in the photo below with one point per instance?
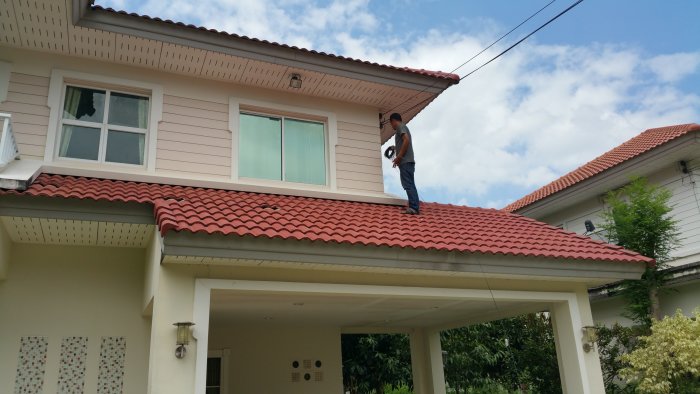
(404, 160)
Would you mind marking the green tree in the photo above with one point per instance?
(613, 343)
(374, 362)
(638, 218)
(516, 353)
(667, 360)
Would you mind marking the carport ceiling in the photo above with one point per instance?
(349, 311)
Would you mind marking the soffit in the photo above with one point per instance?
(33, 230)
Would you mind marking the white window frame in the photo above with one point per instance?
(263, 108)
(104, 126)
(57, 85)
(225, 356)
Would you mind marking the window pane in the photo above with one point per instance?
(128, 110)
(260, 147)
(84, 104)
(304, 152)
(124, 147)
(79, 142)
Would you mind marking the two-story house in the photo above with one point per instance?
(155, 175)
(666, 156)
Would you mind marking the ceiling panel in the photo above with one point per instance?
(181, 60)
(92, 43)
(8, 24)
(222, 66)
(137, 51)
(77, 232)
(43, 25)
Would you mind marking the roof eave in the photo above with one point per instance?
(85, 16)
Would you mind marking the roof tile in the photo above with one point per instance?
(439, 227)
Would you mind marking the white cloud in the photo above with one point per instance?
(520, 122)
(674, 67)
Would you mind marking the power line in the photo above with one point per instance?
(506, 50)
(524, 38)
(503, 36)
(476, 55)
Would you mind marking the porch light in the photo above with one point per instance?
(295, 81)
(590, 337)
(183, 338)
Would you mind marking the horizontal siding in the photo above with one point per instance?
(193, 138)
(358, 158)
(26, 102)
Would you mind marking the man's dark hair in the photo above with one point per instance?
(396, 116)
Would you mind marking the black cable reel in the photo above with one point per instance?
(390, 152)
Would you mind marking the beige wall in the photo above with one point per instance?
(261, 357)
(60, 291)
(193, 136)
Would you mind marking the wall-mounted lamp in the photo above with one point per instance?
(590, 337)
(295, 81)
(183, 338)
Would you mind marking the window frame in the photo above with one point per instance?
(282, 153)
(104, 126)
(60, 78)
(271, 109)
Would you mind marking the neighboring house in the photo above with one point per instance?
(154, 173)
(668, 157)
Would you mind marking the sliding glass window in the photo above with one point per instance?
(282, 149)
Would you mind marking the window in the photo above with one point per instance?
(283, 149)
(214, 365)
(103, 125)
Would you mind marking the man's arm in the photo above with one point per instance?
(404, 148)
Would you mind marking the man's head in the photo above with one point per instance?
(395, 120)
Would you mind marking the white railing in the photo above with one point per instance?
(8, 145)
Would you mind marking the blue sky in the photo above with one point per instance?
(599, 75)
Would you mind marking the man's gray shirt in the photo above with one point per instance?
(398, 141)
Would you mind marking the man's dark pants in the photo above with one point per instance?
(407, 182)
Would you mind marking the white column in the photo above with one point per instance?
(173, 302)
(580, 372)
(426, 362)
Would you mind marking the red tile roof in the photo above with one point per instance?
(439, 227)
(454, 78)
(644, 142)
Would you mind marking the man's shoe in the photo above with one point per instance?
(410, 211)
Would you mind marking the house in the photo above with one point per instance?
(668, 157)
(157, 175)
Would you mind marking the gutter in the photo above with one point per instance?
(677, 275)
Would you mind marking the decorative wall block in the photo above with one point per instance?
(111, 370)
(71, 374)
(31, 365)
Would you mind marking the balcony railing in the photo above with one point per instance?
(8, 145)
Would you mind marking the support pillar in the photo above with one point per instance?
(173, 302)
(426, 362)
(580, 372)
